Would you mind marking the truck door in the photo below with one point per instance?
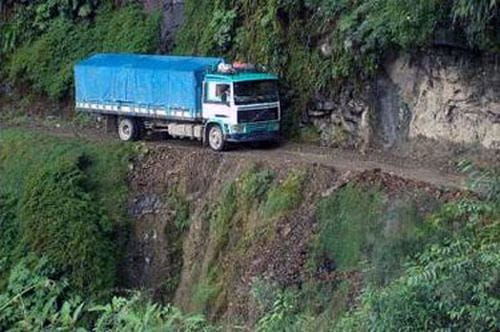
(217, 102)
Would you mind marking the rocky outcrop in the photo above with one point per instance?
(344, 120)
(172, 18)
(451, 98)
(448, 96)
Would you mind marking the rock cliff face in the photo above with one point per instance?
(447, 96)
(230, 245)
(451, 98)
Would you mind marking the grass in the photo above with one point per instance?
(363, 228)
(253, 185)
(66, 201)
(235, 223)
(222, 217)
(181, 208)
(285, 196)
(347, 220)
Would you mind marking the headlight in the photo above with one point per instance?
(238, 128)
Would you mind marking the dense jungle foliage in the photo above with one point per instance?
(42, 40)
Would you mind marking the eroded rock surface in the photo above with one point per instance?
(447, 96)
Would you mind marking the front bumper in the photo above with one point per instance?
(253, 137)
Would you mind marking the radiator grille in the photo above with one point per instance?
(267, 114)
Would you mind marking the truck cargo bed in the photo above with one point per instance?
(142, 85)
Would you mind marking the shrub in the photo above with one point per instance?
(283, 315)
(30, 297)
(65, 201)
(8, 235)
(285, 196)
(450, 286)
(34, 301)
(61, 221)
(137, 314)
(46, 62)
(348, 223)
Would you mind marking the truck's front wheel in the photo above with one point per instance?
(127, 129)
(216, 138)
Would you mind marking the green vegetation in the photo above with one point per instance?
(181, 208)
(451, 285)
(315, 45)
(62, 215)
(63, 201)
(254, 185)
(45, 57)
(222, 217)
(175, 232)
(63, 220)
(348, 222)
(237, 219)
(309, 134)
(36, 302)
(434, 272)
(284, 197)
(251, 190)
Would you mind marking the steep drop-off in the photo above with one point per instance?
(210, 230)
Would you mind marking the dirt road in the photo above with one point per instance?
(439, 175)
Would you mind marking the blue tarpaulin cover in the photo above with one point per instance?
(169, 82)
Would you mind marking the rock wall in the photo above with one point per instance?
(451, 97)
(445, 96)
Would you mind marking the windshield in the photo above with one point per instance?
(253, 92)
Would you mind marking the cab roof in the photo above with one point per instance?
(241, 76)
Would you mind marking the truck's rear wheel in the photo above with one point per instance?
(128, 130)
(216, 138)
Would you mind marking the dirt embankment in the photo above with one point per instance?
(226, 243)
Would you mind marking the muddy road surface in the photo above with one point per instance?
(437, 173)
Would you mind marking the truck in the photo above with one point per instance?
(202, 98)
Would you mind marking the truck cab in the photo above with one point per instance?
(240, 106)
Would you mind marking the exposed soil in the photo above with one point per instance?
(277, 252)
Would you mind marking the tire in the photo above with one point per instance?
(128, 130)
(216, 138)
